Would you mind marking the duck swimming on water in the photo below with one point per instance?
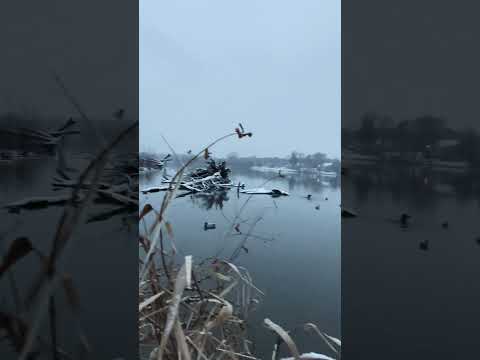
(404, 219)
(424, 245)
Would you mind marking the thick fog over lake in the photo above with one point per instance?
(274, 66)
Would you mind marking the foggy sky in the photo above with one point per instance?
(272, 65)
(410, 58)
(92, 45)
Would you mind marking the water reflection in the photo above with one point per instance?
(311, 182)
(211, 200)
(422, 189)
(421, 275)
(22, 175)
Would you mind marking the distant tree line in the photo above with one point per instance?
(316, 160)
(295, 160)
(428, 135)
(234, 159)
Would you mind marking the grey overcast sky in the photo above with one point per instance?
(411, 58)
(272, 65)
(94, 52)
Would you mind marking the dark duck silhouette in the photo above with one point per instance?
(404, 218)
(119, 114)
(424, 245)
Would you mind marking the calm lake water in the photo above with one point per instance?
(393, 291)
(294, 255)
(103, 263)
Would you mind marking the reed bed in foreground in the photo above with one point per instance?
(199, 308)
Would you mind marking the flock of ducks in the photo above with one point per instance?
(309, 197)
(425, 244)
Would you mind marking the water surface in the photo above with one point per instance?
(294, 255)
(393, 291)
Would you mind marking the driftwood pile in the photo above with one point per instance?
(118, 187)
(213, 177)
(25, 140)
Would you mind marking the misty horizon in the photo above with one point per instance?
(235, 154)
(274, 67)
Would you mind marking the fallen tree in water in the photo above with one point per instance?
(117, 187)
(38, 203)
(26, 140)
(211, 178)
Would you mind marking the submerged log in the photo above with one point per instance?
(262, 191)
(38, 203)
(109, 214)
(347, 213)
